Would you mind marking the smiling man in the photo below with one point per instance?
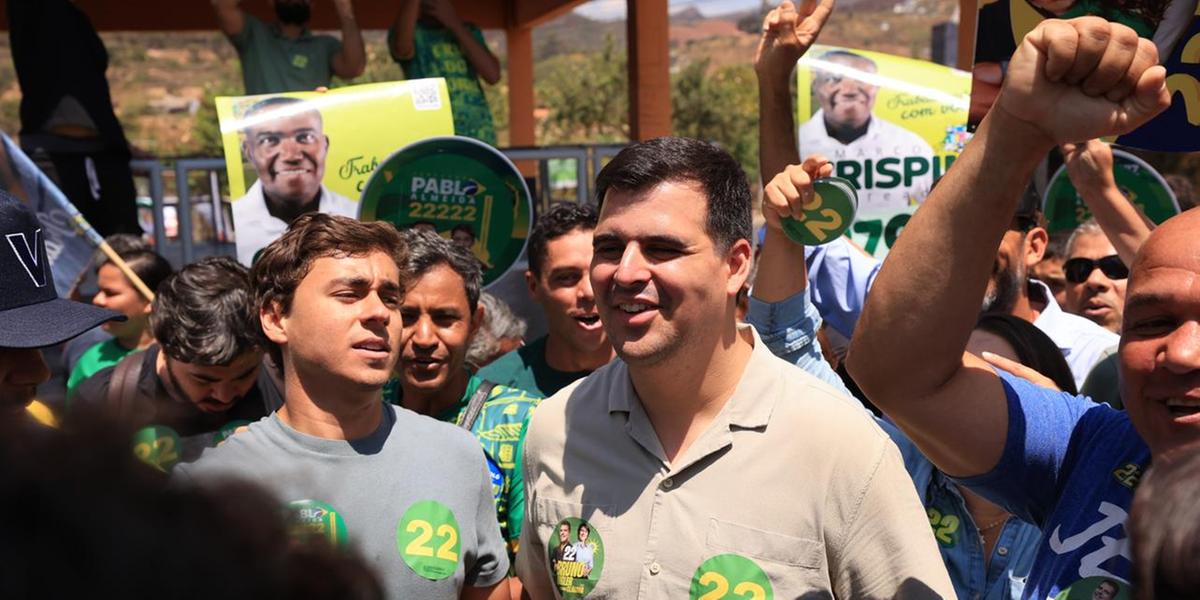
(413, 495)
(667, 461)
(560, 252)
(441, 313)
(284, 139)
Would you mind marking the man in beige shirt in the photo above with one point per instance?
(698, 463)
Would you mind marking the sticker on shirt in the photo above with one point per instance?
(312, 521)
(730, 576)
(945, 526)
(428, 540)
(1096, 588)
(157, 446)
(576, 557)
(497, 477)
(227, 430)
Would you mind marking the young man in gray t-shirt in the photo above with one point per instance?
(411, 494)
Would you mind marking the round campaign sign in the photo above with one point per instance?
(1096, 588)
(730, 576)
(157, 446)
(315, 521)
(428, 540)
(829, 215)
(455, 184)
(1136, 179)
(576, 557)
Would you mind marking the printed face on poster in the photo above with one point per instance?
(1173, 26)
(298, 152)
(891, 126)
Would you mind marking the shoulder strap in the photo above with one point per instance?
(122, 388)
(475, 404)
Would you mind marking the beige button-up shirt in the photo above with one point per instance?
(792, 490)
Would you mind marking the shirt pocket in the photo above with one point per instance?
(795, 566)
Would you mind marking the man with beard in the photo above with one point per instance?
(285, 56)
(285, 142)
(1011, 291)
(847, 132)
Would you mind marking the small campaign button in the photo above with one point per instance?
(829, 214)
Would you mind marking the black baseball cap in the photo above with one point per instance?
(31, 313)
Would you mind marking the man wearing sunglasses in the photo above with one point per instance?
(1095, 277)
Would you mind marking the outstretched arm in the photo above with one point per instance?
(1068, 81)
(352, 60)
(1090, 166)
(230, 17)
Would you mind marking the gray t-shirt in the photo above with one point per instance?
(414, 498)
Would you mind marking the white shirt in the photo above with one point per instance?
(1082, 342)
(255, 227)
(880, 190)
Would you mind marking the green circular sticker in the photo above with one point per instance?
(730, 576)
(576, 557)
(157, 446)
(428, 540)
(1096, 588)
(464, 188)
(1137, 180)
(832, 211)
(227, 430)
(315, 521)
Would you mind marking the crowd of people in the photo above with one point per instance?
(712, 412)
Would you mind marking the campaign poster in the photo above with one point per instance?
(1139, 182)
(1173, 26)
(297, 152)
(891, 126)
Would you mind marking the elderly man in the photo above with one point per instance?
(1095, 276)
(1061, 462)
(285, 141)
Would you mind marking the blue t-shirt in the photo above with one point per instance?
(1070, 466)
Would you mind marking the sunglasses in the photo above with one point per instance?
(1077, 270)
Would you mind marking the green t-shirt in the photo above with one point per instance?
(272, 63)
(500, 429)
(93, 360)
(436, 54)
(526, 369)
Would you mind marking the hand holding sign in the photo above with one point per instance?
(1090, 166)
(1082, 79)
(787, 34)
(808, 205)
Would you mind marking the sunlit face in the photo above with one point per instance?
(116, 293)
(344, 325)
(1160, 337)
(288, 153)
(564, 533)
(1099, 297)
(438, 325)
(22, 370)
(564, 292)
(846, 102)
(215, 389)
(662, 285)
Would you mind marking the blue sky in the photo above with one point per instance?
(615, 9)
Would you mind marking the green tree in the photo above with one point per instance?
(719, 105)
(587, 97)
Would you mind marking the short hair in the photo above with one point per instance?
(285, 262)
(1056, 245)
(499, 323)
(148, 265)
(1163, 529)
(583, 526)
(203, 313)
(561, 219)
(121, 243)
(428, 250)
(271, 104)
(685, 160)
(1034, 348)
(1088, 227)
(463, 227)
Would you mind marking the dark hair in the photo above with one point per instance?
(86, 501)
(1034, 349)
(148, 265)
(646, 164)
(561, 219)
(428, 250)
(1185, 192)
(287, 260)
(463, 227)
(121, 243)
(581, 527)
(1163, 527)
(203, 314)
(1056, 247)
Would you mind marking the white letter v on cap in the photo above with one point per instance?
(29, 256)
